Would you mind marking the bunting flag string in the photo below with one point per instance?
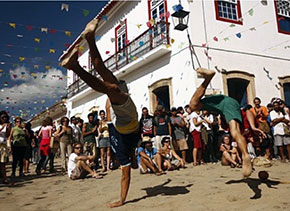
(279, 44)
(42, 29)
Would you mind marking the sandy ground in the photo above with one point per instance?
(207, 187)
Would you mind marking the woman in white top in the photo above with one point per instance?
(5, 128)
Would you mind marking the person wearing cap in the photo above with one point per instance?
(146, 157)
(161, 127)
(126, 121)
(178, 127)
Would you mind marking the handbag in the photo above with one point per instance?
(286, 130)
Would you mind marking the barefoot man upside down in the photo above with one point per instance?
(226, 106)
(124, 108)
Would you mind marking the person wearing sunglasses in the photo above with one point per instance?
(79, 164)
(169, 159)
(18, 144)
(5, 128)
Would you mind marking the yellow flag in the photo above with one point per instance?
(51, 50)
(33, 74)
(172, 40)
(47, 67)
(21, 58)
(81, 48)
(37, 40)
(266, 22)
(67, 33)
(1, 70)
(168, 46)
(139, 25)
(13, 25)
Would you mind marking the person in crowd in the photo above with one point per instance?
(18, 144)
(161, 127)
(178, 127)
(273, 149)
(28, 154)
(80, 123)
(35, 148)
(209, 135)
(279, 120)
(284, 107)
(54, 144)
(195, 130)
(79, 164)
(146, 124)
(170, 160)
(90, 132)
(261, 114)
(44, 148)
(65, 135)
(226, 106)
(230, 154)
(126, 121)
(76, 130)
(146, 157)
(104, 141)
(5, 129)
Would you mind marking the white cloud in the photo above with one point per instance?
(36, 86)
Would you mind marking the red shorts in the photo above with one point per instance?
(197, 143)
(44, 147)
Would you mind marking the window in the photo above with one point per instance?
(229, 11)
(121, 41)
(157, 12)
(283, 15)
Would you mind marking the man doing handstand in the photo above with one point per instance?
(226, 106)
(124, 108)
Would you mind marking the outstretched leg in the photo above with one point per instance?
(194, 103)
(89, 35)
(240, 139)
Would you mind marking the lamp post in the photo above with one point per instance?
(180, 21)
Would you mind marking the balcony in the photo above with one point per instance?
(146, 42)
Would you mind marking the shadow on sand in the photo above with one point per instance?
(254, 185)
(163, 191)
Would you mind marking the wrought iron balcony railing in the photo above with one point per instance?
(147, 41)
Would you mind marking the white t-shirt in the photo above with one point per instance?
(192, 126)
(72, 163)
(278, 128)
(210, 118)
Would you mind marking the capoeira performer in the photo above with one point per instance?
(226, 106)
(124, 108)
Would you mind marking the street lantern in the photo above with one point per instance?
(180, 18)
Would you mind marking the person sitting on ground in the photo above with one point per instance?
(170, 160)
(78, 164)
(146, 157)
(230, 154)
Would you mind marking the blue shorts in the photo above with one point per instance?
(123, 145)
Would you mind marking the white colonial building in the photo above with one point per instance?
(246, 42)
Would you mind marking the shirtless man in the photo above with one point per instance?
(226, 106)
(124, 108)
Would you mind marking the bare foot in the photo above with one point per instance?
(205, 73)
(96, 176)
(247, 166)
(115, 204)
(90, 28)
(70, 59)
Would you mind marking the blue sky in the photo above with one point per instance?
(33, 36)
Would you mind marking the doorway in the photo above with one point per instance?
(162, 97)
(237, 89)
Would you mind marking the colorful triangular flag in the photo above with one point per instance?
(67, 33)
(13, 25)
(51, 50)
(21, 58)
(37, 40)
(251, 12)
(44, 30)
(64, 7)
(239, 35)
(86, 12)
